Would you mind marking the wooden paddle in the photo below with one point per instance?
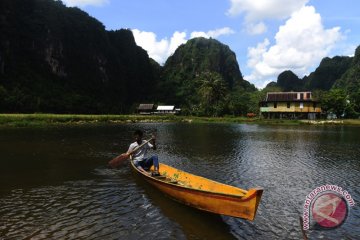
(115, 162)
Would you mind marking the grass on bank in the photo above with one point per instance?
(40, 119)
(55, 119)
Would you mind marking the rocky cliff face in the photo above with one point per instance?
(350, 80)
(329, 70)
(59, 59)
(197, 56)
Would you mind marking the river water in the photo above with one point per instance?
(54, 183)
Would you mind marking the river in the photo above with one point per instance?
(54, 183)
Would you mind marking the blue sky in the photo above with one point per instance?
(267, 36)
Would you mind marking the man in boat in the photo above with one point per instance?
(138, 157)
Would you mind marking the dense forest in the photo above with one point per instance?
(61, 60)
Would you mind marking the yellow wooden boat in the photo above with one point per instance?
(205, 194)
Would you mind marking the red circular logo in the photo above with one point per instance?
(329, 210)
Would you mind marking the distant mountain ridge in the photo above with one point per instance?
(326, 76)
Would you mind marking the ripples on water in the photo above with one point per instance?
(94, 209)
(81, 199)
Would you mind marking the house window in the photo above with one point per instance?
(301, 96)
(288, 105)
(275, 105)
(308, 95)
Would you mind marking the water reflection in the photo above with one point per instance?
(54, 182)
(195, 224)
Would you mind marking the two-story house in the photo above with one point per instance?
(290, 105)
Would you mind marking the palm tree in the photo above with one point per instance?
(212, 90)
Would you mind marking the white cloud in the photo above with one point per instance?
(160, 50)
(255, 54)
(176, 40)
(300, 44)
(349, 50)
(213, 33)
(256, 11)
(82, 3)
(256, 28)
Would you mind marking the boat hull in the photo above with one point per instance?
(205, 194)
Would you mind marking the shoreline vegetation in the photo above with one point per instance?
(41, 119)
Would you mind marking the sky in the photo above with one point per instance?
(267, 36)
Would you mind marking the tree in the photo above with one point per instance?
(355, 98)
(3, 97)
(239, 102)
(334, 101)
(212, 92)
(353, 105)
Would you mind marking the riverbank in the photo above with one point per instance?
(24, 120)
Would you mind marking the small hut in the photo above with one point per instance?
(145, 109)
(167, 110)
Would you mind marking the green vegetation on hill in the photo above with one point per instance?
(330, 69)
(323, 78)
(350, 83)
(203, 76)
(199, 55)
